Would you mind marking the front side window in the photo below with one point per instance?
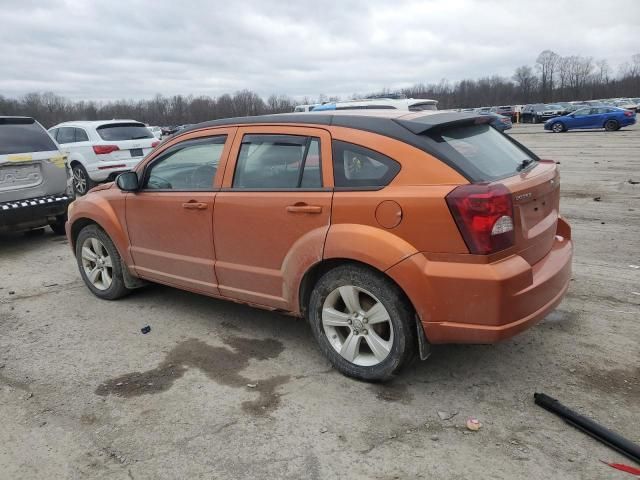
(188, 166)
(278, 161)
(356, 166)
(66, 135)
(582, 112)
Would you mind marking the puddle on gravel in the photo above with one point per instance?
(220, 364)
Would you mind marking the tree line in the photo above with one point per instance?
(552, 78)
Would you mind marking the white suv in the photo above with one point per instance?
(99, 150)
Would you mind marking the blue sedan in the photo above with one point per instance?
(609, 118)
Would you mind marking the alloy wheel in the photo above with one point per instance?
(557, 127)
(97, 263)
(79, 180)
(357, 325)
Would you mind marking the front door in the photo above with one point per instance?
(170, 220)
(273, 209)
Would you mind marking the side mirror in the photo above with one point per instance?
(127, 181)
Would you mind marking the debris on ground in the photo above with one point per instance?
(473, 424)
(12, 292)
(435, 438)
(634, 182)
(624, 468)
(145, 330)
(597, 199)
(29, 395)
(252, 385)
(324, 430)
(49, 284)
(446, 415)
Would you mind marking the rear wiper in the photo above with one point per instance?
(524, 164)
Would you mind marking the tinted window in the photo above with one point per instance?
(66, 135)
(190, 165)
(482, 151)
(81, 135)
(53, 132)
(582, 112)
(419, 107)
(278, 161)
(114, 132)
(356, 166)
(23, 135)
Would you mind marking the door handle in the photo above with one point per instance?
(304, 208)
(194, 206)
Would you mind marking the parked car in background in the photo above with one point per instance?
(305, 108)
(626, 103)
(506, 110)
(169, 130)
(34, 179)
(99, 150)
(609, 118)
(156, 131)
(327, 221)
(499, 122)
(539, 112)
(483, 110)
(379, 103)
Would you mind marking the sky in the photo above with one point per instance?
(112, 49)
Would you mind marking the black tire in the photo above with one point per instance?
(404, 345)
(534, 119)
(611, 125)
(81, 181)
(557, 127)
(117, 288)
(58, 225)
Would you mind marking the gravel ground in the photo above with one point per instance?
(219, 390)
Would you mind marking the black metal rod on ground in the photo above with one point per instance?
(588, 426)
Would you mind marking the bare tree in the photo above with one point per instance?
(526, 81)
(547, 63)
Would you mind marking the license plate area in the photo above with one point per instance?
(13, 177)
(136, 152)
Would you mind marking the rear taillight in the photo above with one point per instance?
(484, 215)
(105, 149)
(155, 144)
(628, 113)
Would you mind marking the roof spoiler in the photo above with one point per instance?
(422, 124)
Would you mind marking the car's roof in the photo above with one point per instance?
(392, 123)
(95, 123)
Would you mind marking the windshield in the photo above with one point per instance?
(552, 106)
(113, 132)
(23, 135)
(482, 152)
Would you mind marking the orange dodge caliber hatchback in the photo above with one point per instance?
(389, 231)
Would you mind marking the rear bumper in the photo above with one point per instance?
(490, 302)
(32, 212)
(102, 171)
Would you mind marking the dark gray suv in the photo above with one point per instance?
(34, 177)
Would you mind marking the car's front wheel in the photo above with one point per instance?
(362, 322)
(557, 127)
(99, 263)
(611, 125)
(81, 181)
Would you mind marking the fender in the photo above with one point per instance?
(304, 254)
(108, 212)
(373, 246)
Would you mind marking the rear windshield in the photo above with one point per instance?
(481, 152)
(114, 132)
(23, 135)
(419, 107)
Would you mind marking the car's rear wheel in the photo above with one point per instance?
(99, 263)
(557, 127)
(81, 181)
(611, 125)
(362, 322)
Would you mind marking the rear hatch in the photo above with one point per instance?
(30, 163)
(492, 159)
(124, 141)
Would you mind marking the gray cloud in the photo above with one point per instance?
(135, 48)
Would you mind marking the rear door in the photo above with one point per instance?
(30, 163)
(169, 221)
(273, 201)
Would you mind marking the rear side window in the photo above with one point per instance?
(278, 161)
(114, 132)
(419, 107)
(23, 135)
(81, 135)
(482, 152)
(357, 167)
